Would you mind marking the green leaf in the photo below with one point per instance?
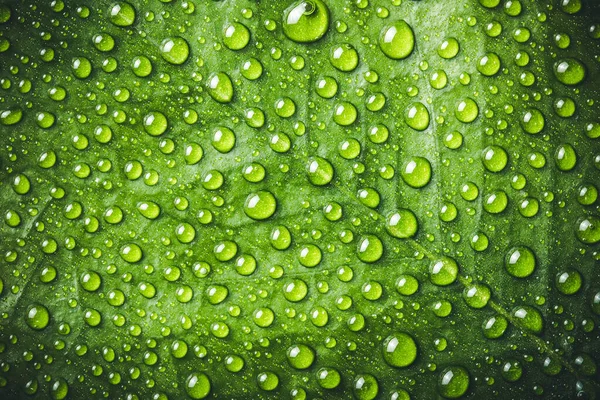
(310, 199)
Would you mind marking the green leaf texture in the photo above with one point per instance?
(237, 199)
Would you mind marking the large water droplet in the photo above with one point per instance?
(453, 382)
(530, 318)
(397, 40)
(417, 116)
(300, 356)
(399, 350)
(369, 249)
(306, 21)
(402, 224)
(520, 262)
(416, 172)
(220, 87)
(122, 14)
(365, 387)
(37, 316)
(319, 171)
(588, 229)
(235, 36)
(569, 71)
(443, 272)
(260, 205)
(344, 57)
(197, 385)
(175, 50)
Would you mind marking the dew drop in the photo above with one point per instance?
(300, 356)
(520, 262)
(197, 385)
(175, 50)
(569, 71)
(344, 57)
(397, 40)
(399, 350)
(219, 87)
(121, 14)
(37, 316)
(235, 36)
(443, 272)
(453, 382)
(306, 21)
(260, 205)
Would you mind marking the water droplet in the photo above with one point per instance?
(281, 238)
(223, 139)
(326, 87)
(11, 117)
(131, 253)
(466, 110)
(407, 285)
(295, 290)
(569, 281)
(489, 3)
(588, 229)
(37, 316)
(369, 249)
(90, 281)
(267, 381)
(448, 48)
(175, 50)
(300, 356)
(416, 172)
(235, 36)
(185, 232)
(21, 184)
(197, 385)
(59, 389)
(477, 295)
(319, 171)
(397, 40)
(328, 378)
(306, 21)
(260, 205)
(344, 57)
(494, 158)
(520, 262)
(122, 14)
(565, 157)
(495, 202)
(453, 382)
(344, 113)
(399, 350)
(443, 272)
(512, 370)
(570, 6)
(417, 116)
(309, 255)
(494, 327)
(402, 224)
(225, 250)
(365, 387)
(569, 71)
(220, 87)
(529, 318)
(82, 67)
(252, 69)
(489, 64)
(155, 123)
(234, 363)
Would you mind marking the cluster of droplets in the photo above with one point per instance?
(303, 22)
